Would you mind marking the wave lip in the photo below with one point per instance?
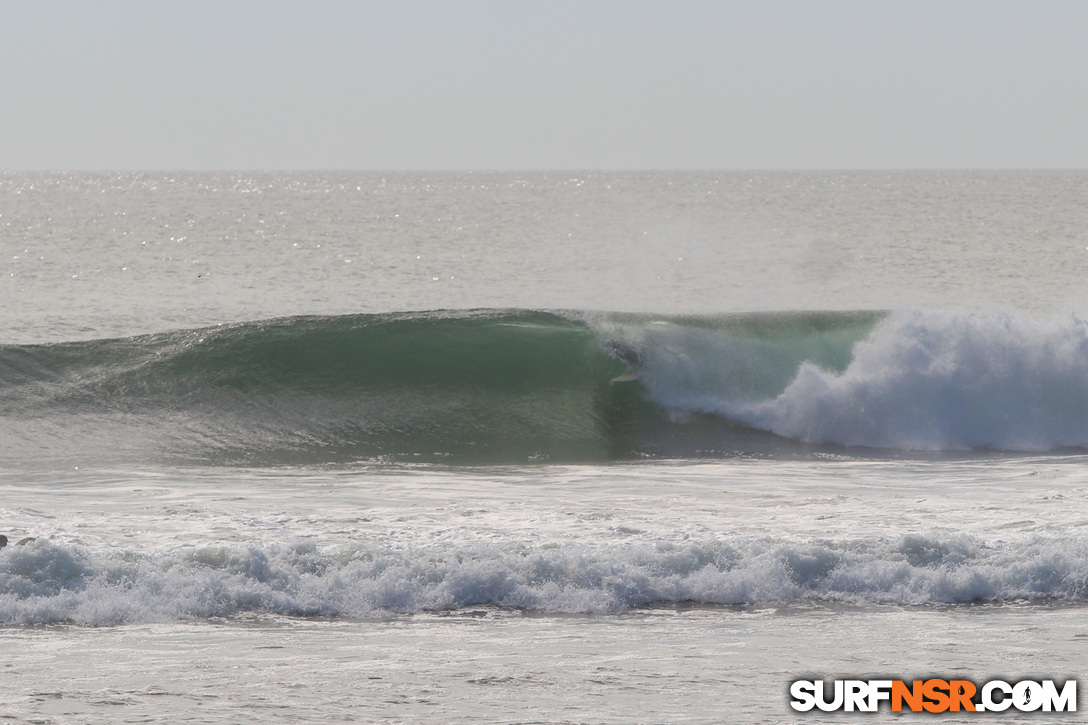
(47, 582)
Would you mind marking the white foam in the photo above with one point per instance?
(50, 582)
(924, 381)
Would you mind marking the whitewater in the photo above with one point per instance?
(499, 447)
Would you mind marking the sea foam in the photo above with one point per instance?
(47, 581)
(922, 380)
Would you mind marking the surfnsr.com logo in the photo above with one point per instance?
(934, 695)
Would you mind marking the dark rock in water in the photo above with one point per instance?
(3, 541)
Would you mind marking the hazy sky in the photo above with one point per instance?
(546, 84)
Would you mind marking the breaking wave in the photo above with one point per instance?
(932, 381)
(496, 386)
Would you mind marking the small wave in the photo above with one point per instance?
(47, 582)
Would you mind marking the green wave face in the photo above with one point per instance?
(471, 387)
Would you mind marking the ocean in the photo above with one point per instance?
(537, 447)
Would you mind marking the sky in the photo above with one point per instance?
(542, 84)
